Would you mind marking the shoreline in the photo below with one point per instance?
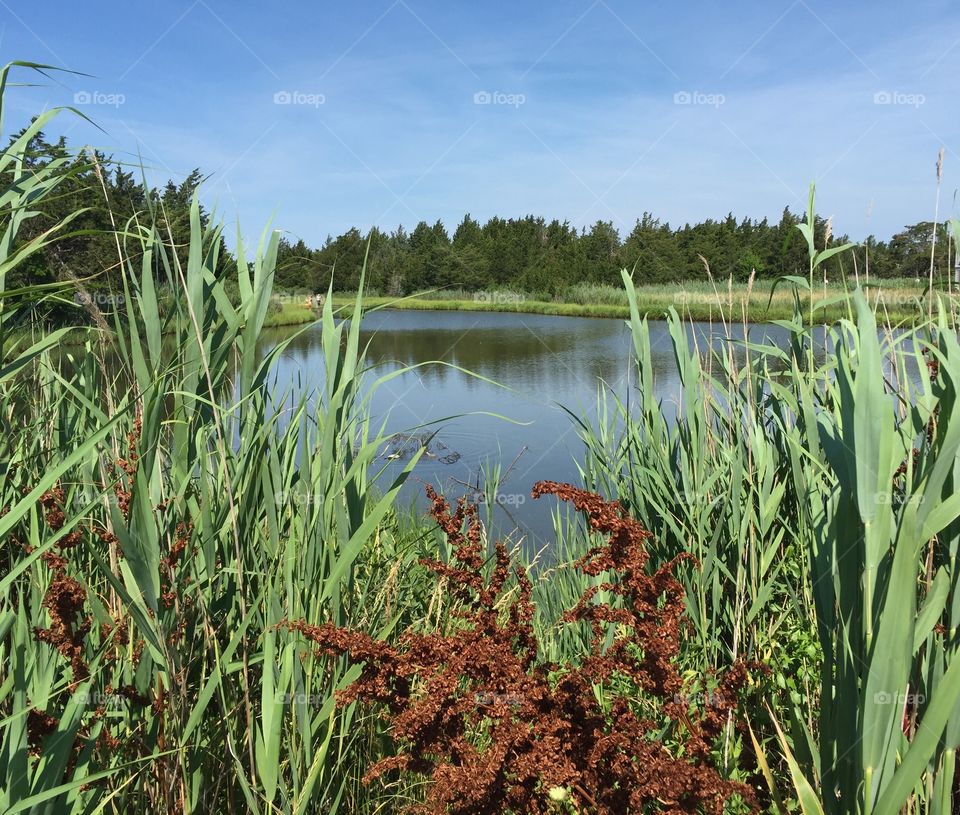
(692, 307)
(289, 316)
(895, 306)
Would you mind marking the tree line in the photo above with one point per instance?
(533, 255)
(109, 202)
(527, 254)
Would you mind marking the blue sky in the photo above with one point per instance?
(326, 115)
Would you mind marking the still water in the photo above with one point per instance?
(522, 367)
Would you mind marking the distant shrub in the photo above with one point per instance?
(594, 293)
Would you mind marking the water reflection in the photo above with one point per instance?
(526, 367)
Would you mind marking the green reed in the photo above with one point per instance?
(203, 508)
(815, 486)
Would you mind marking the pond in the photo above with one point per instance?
(525, 368)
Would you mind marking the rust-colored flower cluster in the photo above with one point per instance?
(70, 627)
(498, 730)
(65, 597)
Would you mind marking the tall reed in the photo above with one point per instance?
(815, 485)
(162, 514)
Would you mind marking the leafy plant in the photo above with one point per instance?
(497, 729)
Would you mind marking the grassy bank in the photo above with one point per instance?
(898, 301)
(894, 300)
(283, 314)
(289, 314)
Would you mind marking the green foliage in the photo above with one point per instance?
(529, 254)
(161, 516)
(817, 493)
(100, 198)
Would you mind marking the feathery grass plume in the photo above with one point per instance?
(933, 237)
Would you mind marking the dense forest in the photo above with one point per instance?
(525, 253)
(531, 254)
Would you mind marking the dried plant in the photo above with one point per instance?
(497, 730)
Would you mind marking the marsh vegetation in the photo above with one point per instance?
(754, 604)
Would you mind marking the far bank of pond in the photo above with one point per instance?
(894, 300)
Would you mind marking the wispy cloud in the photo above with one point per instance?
(561, 110)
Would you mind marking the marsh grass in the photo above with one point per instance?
(893, 300)
(817, 494)
(160, 517)
(163, 517)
